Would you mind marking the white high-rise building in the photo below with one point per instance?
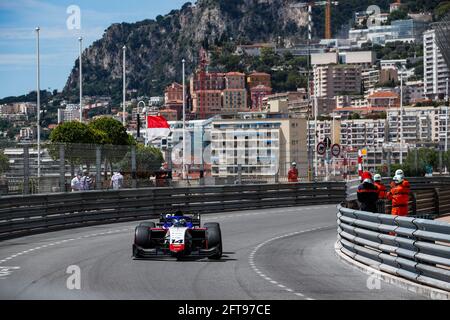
(435, 69)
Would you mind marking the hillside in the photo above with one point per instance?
(155, 48)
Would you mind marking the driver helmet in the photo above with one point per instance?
(179, 222)
(377, 177)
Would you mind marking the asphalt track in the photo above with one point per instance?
(282, 253)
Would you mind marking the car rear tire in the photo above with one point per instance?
(148, 224)
(143, 237)
(214, 237)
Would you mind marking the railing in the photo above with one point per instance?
(415, 249)
(21, 215)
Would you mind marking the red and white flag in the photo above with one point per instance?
(157, 126)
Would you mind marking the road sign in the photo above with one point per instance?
(327, 142)
(321, 148)
(335, 150)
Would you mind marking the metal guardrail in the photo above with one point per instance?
(27, 214)
(415, 249)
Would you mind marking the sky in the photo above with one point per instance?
(60, 27)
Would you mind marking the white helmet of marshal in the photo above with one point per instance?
(397, 178)
(399, 172)
(377, 177)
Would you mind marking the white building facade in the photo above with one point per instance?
(436, 72)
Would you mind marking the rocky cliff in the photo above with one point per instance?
(155, 48)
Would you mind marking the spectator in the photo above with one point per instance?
(367, 193)
(85, 181)
(116, 181)
(75, 184)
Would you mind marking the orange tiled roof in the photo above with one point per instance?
(383, 94)
(234, 74)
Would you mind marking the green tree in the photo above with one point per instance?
(425, 157)
(355, 116)
(113, 138)
(148, 160)
(115, 132)
(77, 139)
(4, 162)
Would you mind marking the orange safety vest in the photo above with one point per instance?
(399, 195)
(381, 188)
(293, 175)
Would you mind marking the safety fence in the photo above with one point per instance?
(412, 248)
(26, 214)
(52, 167)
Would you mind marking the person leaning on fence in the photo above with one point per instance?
(116, 181)
(367, 193)
(75, 184)
(399, 195)
(85, 181)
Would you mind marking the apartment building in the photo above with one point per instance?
(325, 129)
(257, 94)
(381, 100)
(436, 72)
(234, 95)
(333, 80)
(295, 102)
(370, 77)
(361, 133)
(257, 144)
(206, 93)
(70, 113)
(420, 125)
(173, 99)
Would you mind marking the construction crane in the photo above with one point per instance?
(312, 4)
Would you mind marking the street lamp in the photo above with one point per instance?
(124, 48)
(38, 103)
(446, 116)
(446, 121)
(138, 117)
(401, 115)
(80, 39)
(184, 123)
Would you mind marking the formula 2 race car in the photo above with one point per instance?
(178, 235)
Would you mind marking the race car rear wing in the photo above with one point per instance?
(193, 217)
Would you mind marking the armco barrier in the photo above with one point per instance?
(415, 249)
(21, 215)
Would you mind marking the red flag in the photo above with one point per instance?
(157, 126)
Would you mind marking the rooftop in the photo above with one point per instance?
(383, 94)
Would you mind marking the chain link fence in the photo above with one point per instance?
(55, 165)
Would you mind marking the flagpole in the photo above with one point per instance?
(184, 125)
